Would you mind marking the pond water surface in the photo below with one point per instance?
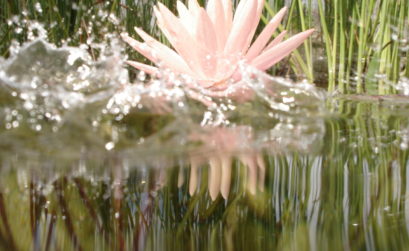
(90, 162)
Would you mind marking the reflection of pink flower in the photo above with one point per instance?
(209, 43)
(220, 146)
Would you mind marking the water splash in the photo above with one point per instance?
(46, 81)
(67, 104)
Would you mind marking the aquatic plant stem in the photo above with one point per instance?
(328, 47)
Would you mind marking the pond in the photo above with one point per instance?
(89, 162)
(201, 150)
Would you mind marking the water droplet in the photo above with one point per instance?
(15, 124)
(28, 105)
(38, 8)
(110, 145)
(141, 76)
(288, 99)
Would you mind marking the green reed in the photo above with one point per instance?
(73, 22)
(364, 42)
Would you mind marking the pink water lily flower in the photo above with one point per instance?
(208, 44)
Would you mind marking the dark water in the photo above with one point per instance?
(90, 162)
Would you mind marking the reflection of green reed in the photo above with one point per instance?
(351, 197)
(363, 41)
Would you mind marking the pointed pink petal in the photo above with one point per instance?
(278, 52)
(228, 16)
(168, 57)
(213, 9)
(185, 17)
(181, 40)
(142, 48)
(181, 7)
(143, 67)
(205, 31)
(276, 40)
(207, 36)
(255, 22)
(160, 22)
(241, 27)
(193, 7)
(216, 13)
(265, 35)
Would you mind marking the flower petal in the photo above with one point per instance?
(164, 54)
(207, 35)
(142, 48)
(255, 22)
(186, 45)
(143, 67)
(194, 7)
(278, 52)
(276, 40)
(228, 16)
(265, 35)
(241, 27)
(186, 18)
(205, 31)
(216, 13)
